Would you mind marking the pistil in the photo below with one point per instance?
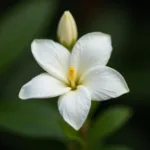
(72, 77)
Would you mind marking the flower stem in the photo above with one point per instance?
(84, 129)
(71, 146)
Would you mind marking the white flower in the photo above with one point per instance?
(77, 78)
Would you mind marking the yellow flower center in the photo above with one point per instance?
(72, 77)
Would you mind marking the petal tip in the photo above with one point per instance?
(100, 34)
(75, 126)
(33, 45)
(21, 94)
(38, 42)
(127, 89)
(34, 42)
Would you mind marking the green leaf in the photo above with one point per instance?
(32, 118)
(116, 148)
(109, 122)
(20, 26)
(93, 108)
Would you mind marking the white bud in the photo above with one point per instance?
(67, 30)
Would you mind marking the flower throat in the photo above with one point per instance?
(72, 77)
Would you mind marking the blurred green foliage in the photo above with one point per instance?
(116, 148)
(19, 27)
(31, 118)
(107, 123)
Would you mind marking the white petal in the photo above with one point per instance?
(104, 83)
(43, 86)
(52, 57)
(74, 106)
(91, 50)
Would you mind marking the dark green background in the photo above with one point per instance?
(126, 21)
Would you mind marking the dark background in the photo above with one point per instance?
(128, 23)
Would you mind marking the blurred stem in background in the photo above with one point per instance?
(93, 133)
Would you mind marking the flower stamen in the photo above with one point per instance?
(72, 77)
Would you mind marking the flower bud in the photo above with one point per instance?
(67, 30)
